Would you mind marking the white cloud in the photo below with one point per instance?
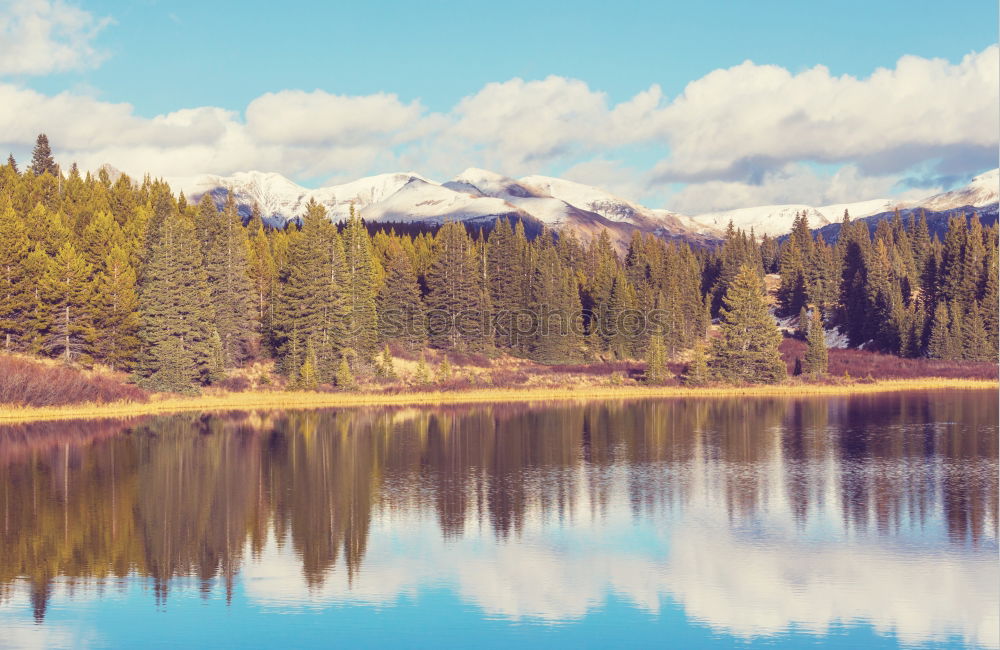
(736, 137)
(736, 123)
(294, 117)
(790, 184)
(44, 36)
(746, 585)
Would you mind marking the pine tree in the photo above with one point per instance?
(816, 360)
(697, 373)
(747, 349)
(176, 311)
(362, 278)
(344, 378)
(443, 373)
(454, 303)
(422, 374)
(401, 315)
(973, 335)
(991, 304)
(216, 367)
(15, 288)
(37, 316)
(100, 236)
(311, 301)
(308, 378)
(386, 367)
(263, 272)
(854, 244)
(67, 288)
(115, 311)
(571, 314)
(555, 306)
(618, 329)
(793, 293)
(884, 300)
(656, 360)
(601, 266)
(802, 327)
(230, 291)
(951, 279)
(938, 345)
(41, 157)
(504, 267)
(175, 370)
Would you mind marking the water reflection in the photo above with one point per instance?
(753, 516)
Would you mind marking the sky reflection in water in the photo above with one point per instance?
(866, 521)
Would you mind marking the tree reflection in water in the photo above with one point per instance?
(191, 497)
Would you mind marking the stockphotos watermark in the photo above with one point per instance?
(524, 325)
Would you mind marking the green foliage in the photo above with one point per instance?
(747, 349)
(555, 304)
(656, 360)
(119, 272)
(361, 273)
(443, 373)
(816, 360)
(455, 302)
(175, 370)
(41, 157)
(176, 310)
(311, 301)
(230, 290)
(385, 366)
(344, 378)
(794, 290)
(68, 289)
(308, 377)
(422, 374)
(115, 311)
(15, 281)
(698, 373)
(401, 314)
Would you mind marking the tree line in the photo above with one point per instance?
(129, 274)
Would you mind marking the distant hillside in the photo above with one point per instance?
(937, 221)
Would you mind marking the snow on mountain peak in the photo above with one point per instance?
(983, 190)
(483, 195)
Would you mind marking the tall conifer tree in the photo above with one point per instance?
(176, 310)
(361, 274)
(747, 348)
(67, 289)
(454, 302)
(227, 273)
(41, 157)
(400, 306)
(15, 288)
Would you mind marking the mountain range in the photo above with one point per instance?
(481, 196)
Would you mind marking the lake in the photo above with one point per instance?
(866, 521)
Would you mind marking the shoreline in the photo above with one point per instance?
(300, 400)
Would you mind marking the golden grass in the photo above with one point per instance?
(306, 400)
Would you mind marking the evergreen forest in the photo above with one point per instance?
(129, 274)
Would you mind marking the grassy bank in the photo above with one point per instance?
(241, 401)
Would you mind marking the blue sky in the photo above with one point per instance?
(588, 90)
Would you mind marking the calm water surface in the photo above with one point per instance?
(846, 522)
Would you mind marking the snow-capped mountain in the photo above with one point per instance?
(612, 207)
(982, 191)
(777, 220)
(482, 196)
(474, 195)
(280, 199)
